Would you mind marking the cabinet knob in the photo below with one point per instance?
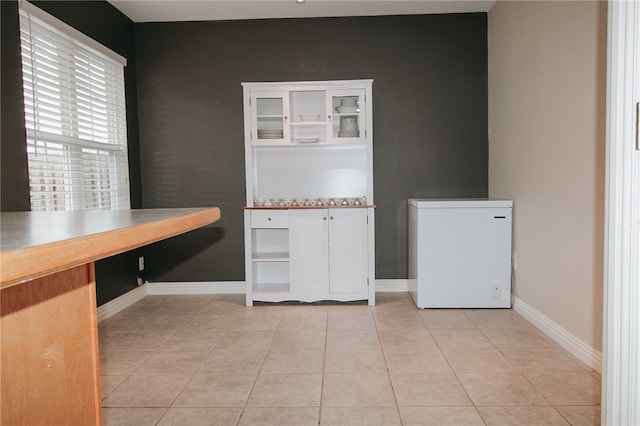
(269, 219)
(330, 217)
(285, 117)
(329, 116)
(324, 218)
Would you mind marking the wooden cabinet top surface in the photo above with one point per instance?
(34, 244)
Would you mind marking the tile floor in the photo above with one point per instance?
(209, 360)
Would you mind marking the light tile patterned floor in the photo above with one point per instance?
(209, 360)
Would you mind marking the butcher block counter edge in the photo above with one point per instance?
(35, 244)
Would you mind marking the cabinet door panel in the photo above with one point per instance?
(308, 251)
(346, 116)
(348, 250)
(270, 118)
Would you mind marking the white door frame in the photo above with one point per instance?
(621, 331)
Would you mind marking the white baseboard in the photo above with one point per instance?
(399, 285)
(238, 287)
(119, 303)
(568, 341)
(204, 287)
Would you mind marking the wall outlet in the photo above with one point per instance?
(141, 263)
(496, 292)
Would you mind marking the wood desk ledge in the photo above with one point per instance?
(35, 244)
(49, 358)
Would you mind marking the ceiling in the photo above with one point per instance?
(212, 10)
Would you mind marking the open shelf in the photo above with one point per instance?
(270, 257)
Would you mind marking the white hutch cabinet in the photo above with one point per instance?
(309, 220)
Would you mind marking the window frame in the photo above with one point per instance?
(75, 117)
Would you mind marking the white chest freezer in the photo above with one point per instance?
(460, 253)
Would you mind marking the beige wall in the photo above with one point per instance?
(547, 64)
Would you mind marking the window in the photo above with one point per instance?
(75, 117)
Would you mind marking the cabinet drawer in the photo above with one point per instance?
(270, 219)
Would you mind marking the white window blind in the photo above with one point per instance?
(75, 118)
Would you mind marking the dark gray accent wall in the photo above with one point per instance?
(429, 108)
(14, 177)
(105, 24)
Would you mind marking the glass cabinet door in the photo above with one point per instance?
(270, 118)
(346, 115)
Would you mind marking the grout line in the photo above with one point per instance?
(386, 365)
(244, 407)
(455, 373)
(324, 367)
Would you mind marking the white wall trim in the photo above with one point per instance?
(568, 341)
(399, 285)
(238, 287)
(203, 287)
(621, 328)
(119, 303)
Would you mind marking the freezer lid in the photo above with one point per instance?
(443, 203)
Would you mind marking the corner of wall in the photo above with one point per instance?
(546, 144)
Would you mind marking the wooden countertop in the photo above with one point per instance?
(35, 244)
